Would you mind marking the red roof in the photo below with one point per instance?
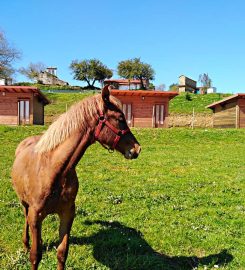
(226, 100)
(24, 89)
(145, 93)
(122, 81)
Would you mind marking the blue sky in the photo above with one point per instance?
(175, 37)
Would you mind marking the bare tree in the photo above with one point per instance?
(161, 87)
(205, 81)
(8, 54)
(33, 70)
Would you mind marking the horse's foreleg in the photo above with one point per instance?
(26, 237)
(66, 219)
(36, 247)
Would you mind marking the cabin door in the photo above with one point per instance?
(127, 110)
(24, 112)
(158, 115)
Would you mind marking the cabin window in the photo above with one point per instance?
(158, 115)
(24, 112)
(127, 110)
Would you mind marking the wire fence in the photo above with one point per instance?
(71, 91)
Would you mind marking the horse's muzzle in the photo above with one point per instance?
(133, 153)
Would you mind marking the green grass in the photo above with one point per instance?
(60, 102)
(199, 102)
(180, 205)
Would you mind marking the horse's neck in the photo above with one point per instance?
(68, 153)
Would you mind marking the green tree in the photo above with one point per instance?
(135, 69)
(152, 86)
(33, 70)
(8, 54)
(90, 71)
(174, 87)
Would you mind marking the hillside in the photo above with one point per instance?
(179, 105)
(60, 102)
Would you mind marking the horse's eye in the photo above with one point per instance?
(121, 120)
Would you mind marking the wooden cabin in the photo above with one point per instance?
(21, 105)
(229, 112)
(145, 108)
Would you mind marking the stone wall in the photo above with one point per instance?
(186, 120)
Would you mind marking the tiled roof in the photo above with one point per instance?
(122, 81)
(145, 93)
(23, 89)
(226, 100)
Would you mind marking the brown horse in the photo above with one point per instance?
(44, 175)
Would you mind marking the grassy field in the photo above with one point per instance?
(179, 206)
(199, 102)
(60, 102)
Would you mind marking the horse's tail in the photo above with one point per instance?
(25, 143)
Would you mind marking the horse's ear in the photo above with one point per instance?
(106, 93)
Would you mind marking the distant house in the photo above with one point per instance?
(187, 85)
(211, 90)
(49, 77)
(229, 112)
(123, 84)
(6, 81)
(144, 108)
(21, 105)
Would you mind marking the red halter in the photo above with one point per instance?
(119, 133)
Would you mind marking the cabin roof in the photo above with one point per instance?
(24, 89)
(226, 100)
(145, 93)
(122, 81)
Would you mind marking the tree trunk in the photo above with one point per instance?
(93, 82)
(88, 82)
(142, 84)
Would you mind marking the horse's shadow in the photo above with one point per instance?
(121, 247)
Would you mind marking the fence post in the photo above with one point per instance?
(193, 118)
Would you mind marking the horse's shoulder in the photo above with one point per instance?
(26, 143)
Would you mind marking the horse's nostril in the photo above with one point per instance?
(135, 155)
(137, 148)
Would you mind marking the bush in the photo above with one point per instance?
(188, 96)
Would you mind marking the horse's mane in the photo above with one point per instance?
(78, 116)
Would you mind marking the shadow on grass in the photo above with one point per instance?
(119, 247)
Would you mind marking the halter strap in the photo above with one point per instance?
(104, 122)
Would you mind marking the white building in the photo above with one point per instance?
(211, 90)
(4, 81)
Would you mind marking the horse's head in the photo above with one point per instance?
(112, 130)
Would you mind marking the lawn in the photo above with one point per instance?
(179, 105)
(180, 205)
